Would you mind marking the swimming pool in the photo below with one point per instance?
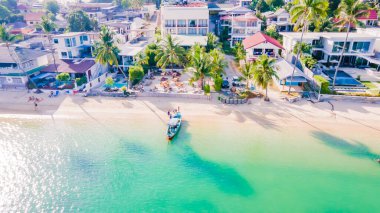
(342, 78)
(118, 85)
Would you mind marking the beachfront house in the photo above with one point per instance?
(327, 47)
(240, 26)
(72, 45)
(259, 44)
(280, 18)
(14, 75)
(190, 19)
(284, 72)
(130, 50)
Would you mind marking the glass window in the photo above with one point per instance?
(74, 42)
(203, 22)
(203, 31)
(182, 31)
(70, 54)
(181, 23)
(338, 46)
(64, 54)
(361, 47)
(85, 38)
(170, 23)
(55, 41)
(192, 23)
(192, 31)
(67, 42)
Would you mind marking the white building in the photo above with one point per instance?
(240, 26)
(260, 44)
(327, 47)
(11, 74)
(280, 18)
(72, 45)
(130, 50)
(185, 19)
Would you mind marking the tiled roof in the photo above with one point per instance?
(33, 16)
(70, 66)
(372, 15)
(259, 38)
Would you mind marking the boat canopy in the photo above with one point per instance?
(173, 121)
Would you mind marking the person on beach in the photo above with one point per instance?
(35, 105)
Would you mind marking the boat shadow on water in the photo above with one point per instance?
(356, 149)
(226, 178)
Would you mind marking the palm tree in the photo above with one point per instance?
(347, 14)
(303, 13)
(247, 70)
(147, 57)
(239, 51)
(264, 72)
(170, 53)
(199, 62)
(47, 25)
(218, 63)
(212, 42)
(8, 39)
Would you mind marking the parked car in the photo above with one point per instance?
(225, 84)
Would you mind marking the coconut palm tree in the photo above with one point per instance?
(47, 25)
(147, 57)
(264, 72)
(347, 14)
(218, 63)
(303, 13)
(199, 63)
(247, 70)
(170, 53)
(239, 51)
(9, 39)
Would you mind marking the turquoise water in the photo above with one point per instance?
(114, 166)
(118, 85)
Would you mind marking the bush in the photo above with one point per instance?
(324, 84)
(218, 83)
(207, 88)
(123, 89)
(63, 76)
(136, 74)
(81, 81)
(109, 81)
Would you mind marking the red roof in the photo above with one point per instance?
(69, 66)
(372, 15)
(33, 16)
(259, 38)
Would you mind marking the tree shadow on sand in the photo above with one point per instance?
(226, 178)
(356, 149)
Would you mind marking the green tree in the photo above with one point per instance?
(109, 82)
(63, 76)
(52, 6)
(212, 42)
(303, 13)
(9, 4)
(170, 53)
(79, 21)
(239, 51)
(8, 38)
(47, 26)
(347, 14)
(199, 63)
(147, 58)
(272, 32)
(218, 63)
(308, 61)
(302, 48)
(247, 70)
(264, 72)
(4, 14)
(136, 74)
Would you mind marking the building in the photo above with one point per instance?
(260, 44)
(129, 51)
(241, 26)
(23, 8)
(15, 75)
(284, 72)
(97, 11)
(327, 47)
(185, 19)
(280, 18)
(72, 45)
(33, 19)
(21, 28)
(371, 20)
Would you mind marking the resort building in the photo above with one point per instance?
(98, 11)
(33, 19)
(130, 50)
(185, 19)
(260, 44)
(240, 26)
(280, 18)
(72, 45)
(14, 75)
(327, 47)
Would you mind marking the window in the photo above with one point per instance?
(70, 54)
(182, 31)
(85, 38)
(192, 23)
(55, 41)
(181, 23)
(17, 80)
(170, 23)
(64, 54)
(170, 31)
(283, 19)
(192, 31)
(67, 42)
(257, 51)
(74, 42)
(203, 31)
(203, 23)
(252, 24)
(338, 46)
(361, 47)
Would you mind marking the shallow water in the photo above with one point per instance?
(99, 166)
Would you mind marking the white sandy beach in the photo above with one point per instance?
(347, 117)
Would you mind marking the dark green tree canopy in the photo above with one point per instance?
(79, 21)
(52, 6)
